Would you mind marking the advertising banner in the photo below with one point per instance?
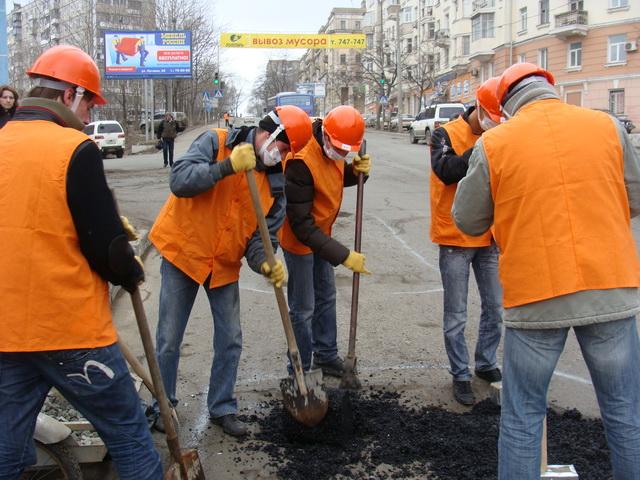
(149, 54)
(293, 40)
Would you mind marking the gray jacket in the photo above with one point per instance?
(198, 171)
(472, 212)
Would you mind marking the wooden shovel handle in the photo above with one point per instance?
(294, 353)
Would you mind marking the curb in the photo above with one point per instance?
(140, 247)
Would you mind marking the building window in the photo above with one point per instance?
(616, 101)
(482, 26)
(459, 88)
(465, 87)
(575, 55)
(523, 19)
(358, 24)
(617, 53)
(406, 15)
(543, 6)
(432, 30)
(618, 3)
(343, 24)
(466, 45)
(486, 71)
(358, 58)
(522, 58)
(466, 8)
(343, 59)
(543, 58)
(576, 5)
(452, 91)
(409, 45)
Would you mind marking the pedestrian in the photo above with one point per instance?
(8, 103)
(558, 185)
(167, 132)
(451, 147)
(205, 228)
(226, 119)
(315, 179)
(64, 241)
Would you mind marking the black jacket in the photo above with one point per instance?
(5, 116)
(299, 191)
(449, 166)
(168, 129)
(103, 240)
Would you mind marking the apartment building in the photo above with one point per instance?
(339, 69)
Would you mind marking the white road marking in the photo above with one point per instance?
(434, 290)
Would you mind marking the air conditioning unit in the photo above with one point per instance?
(475, 72)
(631, 46)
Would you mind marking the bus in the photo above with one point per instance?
(303, 100)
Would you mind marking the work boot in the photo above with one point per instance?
(333, 368)
(230, 425)
(490, 376)
(462, 392)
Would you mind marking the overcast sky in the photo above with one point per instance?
(275, 16)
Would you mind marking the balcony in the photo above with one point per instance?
(571, 24)
(481, 6)
(442, 38)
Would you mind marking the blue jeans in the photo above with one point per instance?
(612, 353)
(177, 294)
(311, 292)
(97, 383)
(455, 263)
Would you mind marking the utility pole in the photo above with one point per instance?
(381, 60)
(4, 49)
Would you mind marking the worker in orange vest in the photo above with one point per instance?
(559, 184)
(63, 242)
(315, 179)
(451, 147)
(205, 228)
(226, 119)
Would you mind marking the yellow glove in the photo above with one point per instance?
(275, 275)
(355, 261)
(243, 158)
(362, 164)
(131, 231)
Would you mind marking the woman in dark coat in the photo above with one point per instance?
(8, 103)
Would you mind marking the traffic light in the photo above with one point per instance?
(216, 80)
(381, 81)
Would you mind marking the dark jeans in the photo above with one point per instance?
(167, 150)
(97, 383)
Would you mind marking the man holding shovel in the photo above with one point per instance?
(315, 179)
(63, 242)
(205, 228)
(559, 184)
(451, 147)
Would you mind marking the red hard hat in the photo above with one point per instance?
(486, 96)
(517, 72)
(71, 65)
(297, 125)
(345, 127)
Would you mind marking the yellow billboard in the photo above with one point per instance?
(292, 40)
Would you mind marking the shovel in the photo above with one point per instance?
(186, 463)
(303, 396)
(350, 378)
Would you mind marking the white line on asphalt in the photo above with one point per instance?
(575, 378)
(405, 244)
(435, 290)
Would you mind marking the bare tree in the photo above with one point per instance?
(280, 75)
(420, 73)
(380, 72)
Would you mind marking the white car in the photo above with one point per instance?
(108, 135)
(431, 118)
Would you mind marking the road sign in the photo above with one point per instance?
(384, 100)
(205, 96)
(319, 90)
(217, 93)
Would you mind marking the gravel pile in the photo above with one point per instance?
(57, 407)
(381, 434)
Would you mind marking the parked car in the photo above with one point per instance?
(623, 119)
(431, 118)
(180, 117)
(370, 120)
(245, 121)
(406, 122)
(108, 135)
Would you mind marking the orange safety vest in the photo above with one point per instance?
(51, 299)
(443, 230)
(561, 215)
(328, 185)
(208, 233)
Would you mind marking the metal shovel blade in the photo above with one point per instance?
(310, 409)
(350, 378)
(189, 468)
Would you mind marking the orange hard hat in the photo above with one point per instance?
(345, 128)
(297, 125)
(486, 97)
(71, 65)
(517, 72)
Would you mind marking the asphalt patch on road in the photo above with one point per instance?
(383, 434)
